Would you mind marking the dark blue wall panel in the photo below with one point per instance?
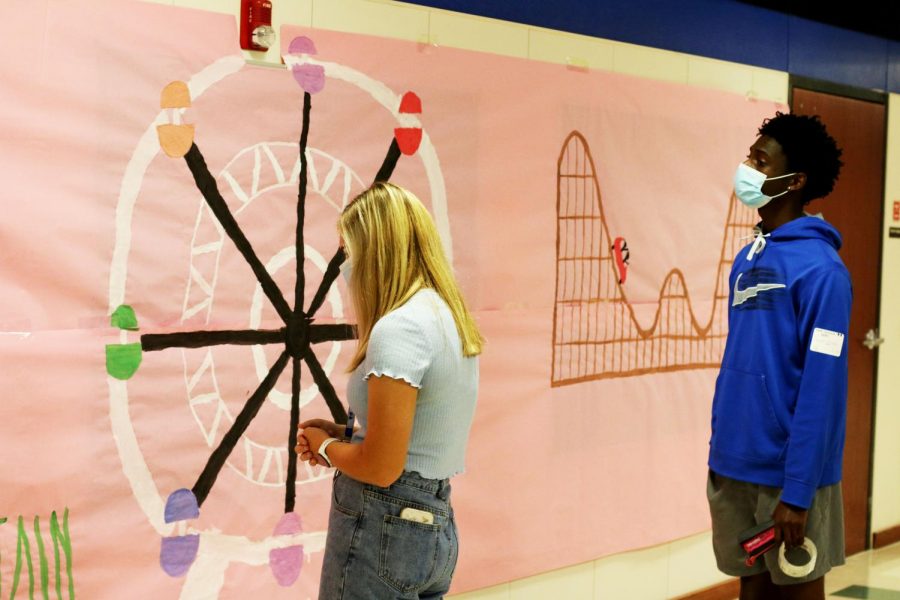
(723, 29)
(893, 75)
(825, 52)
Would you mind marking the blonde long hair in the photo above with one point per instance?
(395, 251)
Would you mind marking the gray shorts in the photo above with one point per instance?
(736, 506)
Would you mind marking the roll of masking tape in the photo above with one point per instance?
(792, 570)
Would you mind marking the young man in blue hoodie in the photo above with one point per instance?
(779, 411)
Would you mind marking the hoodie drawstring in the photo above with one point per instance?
(759, 244)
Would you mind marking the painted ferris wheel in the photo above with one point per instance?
(299, 340)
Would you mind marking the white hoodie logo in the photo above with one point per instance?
(741, 296)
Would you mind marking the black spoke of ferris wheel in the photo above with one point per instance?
(217, 459)
(328, 278)
(206, 183)
(290, 491)
(338, 414)
(301, 208)
(390, 162)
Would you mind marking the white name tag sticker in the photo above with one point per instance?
(827, 342)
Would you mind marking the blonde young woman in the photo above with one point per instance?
(413, 387)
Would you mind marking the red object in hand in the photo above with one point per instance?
(257, 32)
(757, 541)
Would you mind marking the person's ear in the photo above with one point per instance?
(798, 182)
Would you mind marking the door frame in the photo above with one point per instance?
(877, 97)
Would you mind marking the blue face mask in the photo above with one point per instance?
(748, 184)
(345, 270)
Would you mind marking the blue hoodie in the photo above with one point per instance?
(779, 412)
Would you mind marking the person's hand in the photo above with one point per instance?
(303, 450)
(332, 429)
(790, 524)
(308, 442)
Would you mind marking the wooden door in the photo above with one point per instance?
(855, 208)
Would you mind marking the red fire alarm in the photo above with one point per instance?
(257, 32)
(897, 210)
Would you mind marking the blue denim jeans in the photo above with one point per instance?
(372, 554)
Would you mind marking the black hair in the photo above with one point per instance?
(808, 148)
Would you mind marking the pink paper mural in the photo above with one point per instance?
(171, 306)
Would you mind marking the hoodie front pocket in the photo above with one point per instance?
(744, 422)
